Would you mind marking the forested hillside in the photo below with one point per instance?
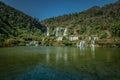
(103, 22)
(17, 27)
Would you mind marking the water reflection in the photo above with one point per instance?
(46, 63)
(58, 54)
(65, 55)
(57, 57)
(74, 54)
(108, 56)
(47, 55)
(93, 52)
(82, 51)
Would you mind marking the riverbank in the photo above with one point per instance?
(52, 42)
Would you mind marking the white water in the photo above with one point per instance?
(65, 32)
(56, 34)
(47, 31)
(82, 44)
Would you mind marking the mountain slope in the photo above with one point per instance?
(94, 21)
(14, 23)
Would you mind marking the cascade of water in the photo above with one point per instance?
(43, 39)
(65, 32)
(47, 31)
(35, 43)
(59, 38)
(82, 44)
(72, 38)
(56, 34)
(89, 38)
(92, 43)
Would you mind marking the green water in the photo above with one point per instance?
(59, 63)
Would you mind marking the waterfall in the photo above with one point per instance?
(47, 31)
(73, 38)
(89, 38)
(92, 43)
(59, 38)
(65, 31)
(82, 44)
(56, 34)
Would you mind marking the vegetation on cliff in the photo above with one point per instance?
(103, 22)
(17, 27)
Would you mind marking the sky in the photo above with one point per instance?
(43, 9)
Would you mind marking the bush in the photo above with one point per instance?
(1, 43)
(10, 42)
(102, 35)
(115, 28)
(21, 42)
(82, 30)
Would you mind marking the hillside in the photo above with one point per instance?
(15, 26)
(103, 22)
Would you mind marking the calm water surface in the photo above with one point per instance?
(59, 63)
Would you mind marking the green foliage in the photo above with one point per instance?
(10, 42)
(17, 28)
(16, 24)
(21, 42)
(115, 30)
(82, 30)
(93, 20)
(95, 29)
(102, 35)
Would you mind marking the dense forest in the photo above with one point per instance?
(103, 22)
(17, 27)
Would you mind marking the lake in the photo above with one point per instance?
(59, 63)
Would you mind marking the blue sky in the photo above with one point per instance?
(43, 9)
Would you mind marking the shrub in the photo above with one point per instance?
(82, 30)
(10, 42)
(102, 35)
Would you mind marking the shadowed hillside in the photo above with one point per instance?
(15, 26)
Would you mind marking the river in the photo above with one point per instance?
(59, 63)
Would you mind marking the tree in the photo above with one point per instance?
(82, 30)
(115, 28)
